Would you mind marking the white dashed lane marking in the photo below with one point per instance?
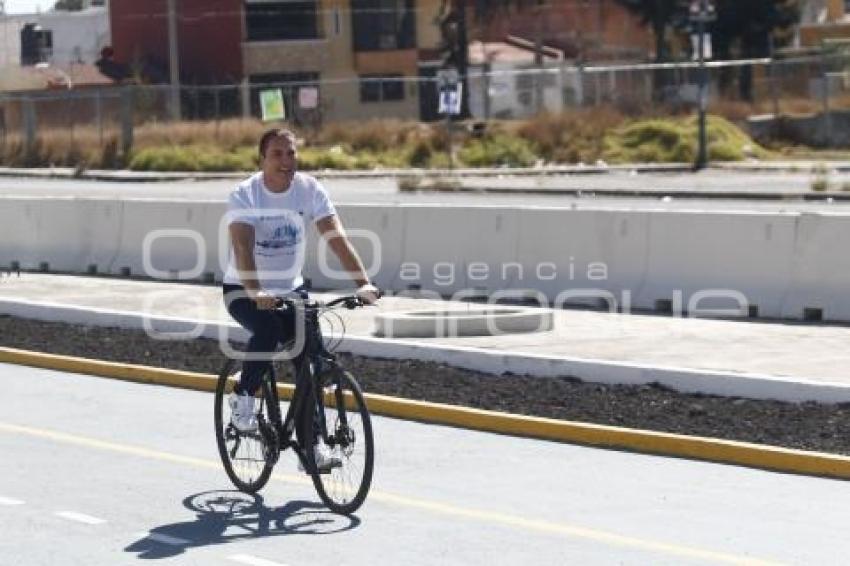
(253, 560)
(165, 539)
(10, 501)
(80, 517)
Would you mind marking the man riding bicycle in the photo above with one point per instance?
(268, 214)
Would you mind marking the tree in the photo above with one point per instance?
(660, 15)
(750, 30)
(742, 29)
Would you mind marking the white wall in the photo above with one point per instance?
(780, 263)
(511, 90)
(77, 36)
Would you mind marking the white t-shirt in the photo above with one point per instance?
(280, 221)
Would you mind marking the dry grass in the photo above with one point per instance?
(372, 135)
(81, 147)
(570, 137)
(226, 134)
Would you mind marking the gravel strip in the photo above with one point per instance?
(807, 426)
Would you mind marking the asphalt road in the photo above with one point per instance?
(97, 471)
(384, 190)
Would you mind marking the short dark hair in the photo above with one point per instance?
(272, 134)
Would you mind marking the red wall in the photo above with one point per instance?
(209, 37)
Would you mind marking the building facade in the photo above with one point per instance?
(601, 30)
(823, 20)
(66, 38)
(333, 59)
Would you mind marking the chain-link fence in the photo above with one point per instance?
(812, 94)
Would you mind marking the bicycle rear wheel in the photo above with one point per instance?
(343, 424)
(248, 458)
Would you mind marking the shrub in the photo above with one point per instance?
(313, 159)
(498, 150)
(192, 158)
(675, 141)
(570, 137)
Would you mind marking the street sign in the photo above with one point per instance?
(271, 105)
(450, 98)
(308, 97)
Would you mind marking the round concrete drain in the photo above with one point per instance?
(478, 321)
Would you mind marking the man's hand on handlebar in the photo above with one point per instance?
(368, 294)
(265, 301)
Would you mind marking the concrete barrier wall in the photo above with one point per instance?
(717, 255)
(780, 265)
(584, 257)
(171, 239)
(378, 234)
(821, 275)
(68, 234)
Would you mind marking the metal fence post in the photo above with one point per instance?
(827, 114)
(246, 99)
(127, 119)
(30, 124)
(98, 110)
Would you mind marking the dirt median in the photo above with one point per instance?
(806, 426)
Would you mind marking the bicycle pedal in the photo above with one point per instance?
(328, 469)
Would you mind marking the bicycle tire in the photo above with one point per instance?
(342, 489)
(248, 459)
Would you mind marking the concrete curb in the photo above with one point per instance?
(663, 444)
(645, 193)
(805, 166)
(126, 175)
(494, 362)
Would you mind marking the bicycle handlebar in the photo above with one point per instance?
(349, 301)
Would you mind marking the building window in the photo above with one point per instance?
(380, 88)
(382, 25)
(36, 44)
(276, 21)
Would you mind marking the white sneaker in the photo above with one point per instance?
(325, 459)
(242, 414)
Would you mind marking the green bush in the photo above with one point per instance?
(192, 158)
(419, 153)
(498, 150)
(163, 159)
(314, 159)
(675, 141)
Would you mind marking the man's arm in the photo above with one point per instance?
(331, 229)
(242, 237)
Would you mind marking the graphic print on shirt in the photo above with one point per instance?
(279, 234)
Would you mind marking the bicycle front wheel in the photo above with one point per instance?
(343, 425)
(248, 457)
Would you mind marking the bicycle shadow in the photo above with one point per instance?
(231, 516)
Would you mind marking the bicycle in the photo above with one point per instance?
(340, 420)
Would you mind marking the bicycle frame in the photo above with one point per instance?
(315, 360)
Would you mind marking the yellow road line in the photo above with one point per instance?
(651, 442)
(502, 519)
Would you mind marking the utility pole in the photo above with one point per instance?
(173, 61)
(538, 57)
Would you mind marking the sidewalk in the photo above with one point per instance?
(789, 361)
(754, 166)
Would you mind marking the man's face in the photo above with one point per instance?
(279, 163)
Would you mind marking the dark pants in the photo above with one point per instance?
(267, 328)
